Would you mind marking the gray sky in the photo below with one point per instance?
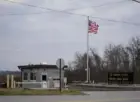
(45, 37)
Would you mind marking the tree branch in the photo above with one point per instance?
(136, 1)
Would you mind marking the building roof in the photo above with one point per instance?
(32, 66)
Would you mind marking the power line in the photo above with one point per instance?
(105, 19)
(25, 4)
(48, 9)
(44, 8)
(19, 14)
(117, 21)
(105, 4)
(63, 11)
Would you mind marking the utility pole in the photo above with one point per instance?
(60, 69)
(136, 1)
(134, 68)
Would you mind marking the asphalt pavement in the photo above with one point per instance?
(96, 96)
(104, 87)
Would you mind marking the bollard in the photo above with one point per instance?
(14, 84)
(12, 79)
(7, 81)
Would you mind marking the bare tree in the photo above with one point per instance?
(116, 58)
(80, 61)
(134, 52)
(96, 60)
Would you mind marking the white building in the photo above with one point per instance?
(41, 76)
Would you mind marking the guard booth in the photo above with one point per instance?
(40, 76)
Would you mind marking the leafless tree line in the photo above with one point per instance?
(117, 58)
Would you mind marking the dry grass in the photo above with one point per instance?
(37, 92)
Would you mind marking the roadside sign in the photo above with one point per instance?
(60, 63)
(120, 77)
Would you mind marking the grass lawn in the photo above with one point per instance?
(38, 92)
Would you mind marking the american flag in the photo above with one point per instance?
(92, 27)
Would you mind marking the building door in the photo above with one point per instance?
(44, 80)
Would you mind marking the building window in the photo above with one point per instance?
(32, 76)
(25, 76)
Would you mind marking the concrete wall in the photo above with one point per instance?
(31, 85)
(54, 73)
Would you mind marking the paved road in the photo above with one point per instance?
(104, 87)
(99, 96)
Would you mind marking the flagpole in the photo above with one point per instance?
(93, 29)
(88, 72)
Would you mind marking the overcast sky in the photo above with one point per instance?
(47, 36)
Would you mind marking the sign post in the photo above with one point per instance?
(60, 64)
